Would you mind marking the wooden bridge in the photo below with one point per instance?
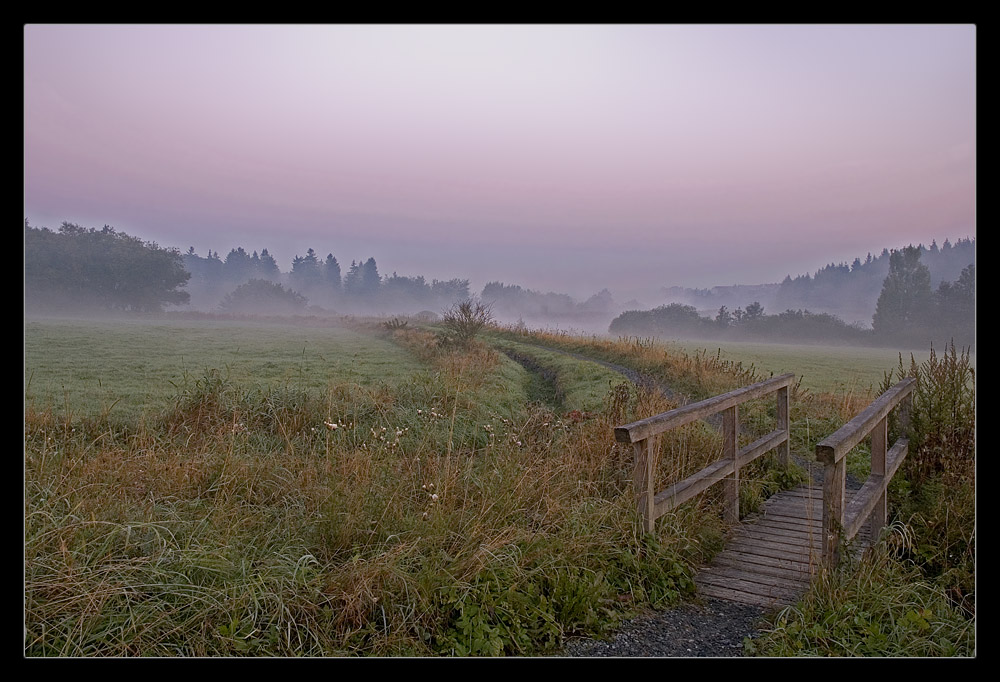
(771, 556)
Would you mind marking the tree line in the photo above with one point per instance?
(907, 311)
(848, 290)
(76, 268)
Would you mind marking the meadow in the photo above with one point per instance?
(137, 367)
(229, 489)
(821, 368)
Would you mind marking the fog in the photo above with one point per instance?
(567, 159)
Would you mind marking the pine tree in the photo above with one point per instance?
(904, 306)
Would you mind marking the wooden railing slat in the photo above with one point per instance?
(836, 445)
(842, 521)
(644, 428)
(868, 496)
(681, 492)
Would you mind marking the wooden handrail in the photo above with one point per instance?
(842, 522)
(640, 435)
(651, 426)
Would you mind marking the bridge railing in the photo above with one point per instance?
(842, 522)
(642, 436)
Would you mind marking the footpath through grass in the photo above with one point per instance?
(383, 494)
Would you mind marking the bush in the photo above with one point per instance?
(263, 297)
(943, 416)
(464, 320)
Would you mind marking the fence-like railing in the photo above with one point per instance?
(842, 522)
(642, 436)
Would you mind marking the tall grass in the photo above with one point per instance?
(409, 519)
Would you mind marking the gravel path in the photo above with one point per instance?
(713, 628)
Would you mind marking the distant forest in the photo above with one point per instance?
(907, 295)
(848, 291)
(912, 303)
(76, 268)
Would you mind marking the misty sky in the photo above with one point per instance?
(565, 158)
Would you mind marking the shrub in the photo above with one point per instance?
(264, 297)
(465, 319)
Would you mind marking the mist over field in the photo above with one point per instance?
(332, 334)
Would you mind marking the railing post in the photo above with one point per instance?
(730, 448)
(880, 445)
(834, 477)
(783, 449)
(643, 479)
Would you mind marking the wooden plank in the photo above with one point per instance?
(794, 517)
(748, 587)
(642, 429)
(730, 443)
(784, 543)
(865, 499)
(764, 564)
(762, 549)
(833, 509)
(681, 492)
(749, 453)
(642, 481)
(797, 536)
(793, 585)
(728, 594)
(833, 448)
(783, 413)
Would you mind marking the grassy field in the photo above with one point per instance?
(292, 490)
(830, 369)
(139, 367)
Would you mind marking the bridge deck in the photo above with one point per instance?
(771, 556)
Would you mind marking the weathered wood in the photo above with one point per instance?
(767, 565)
(759, 589)
(880, 510)
(681, 492)
(802, 555)
(793, 585)
(868, 497)
(742, 597)
(834, 477)
(832, 448)
(763, 444)
(636, 431)
(843, 523)
(783, 412)
(798, 536)
(690, 487)
(642, 479)
(730, 452)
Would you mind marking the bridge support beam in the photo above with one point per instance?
(730, 450)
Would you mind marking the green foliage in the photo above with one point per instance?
(464, 320)
(878, 606)
(943, 416)
(262, 297)
(79, 268)
(904, 305)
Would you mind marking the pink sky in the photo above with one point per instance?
(566, 158)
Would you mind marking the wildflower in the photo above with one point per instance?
(434, 497)
(332, 427)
